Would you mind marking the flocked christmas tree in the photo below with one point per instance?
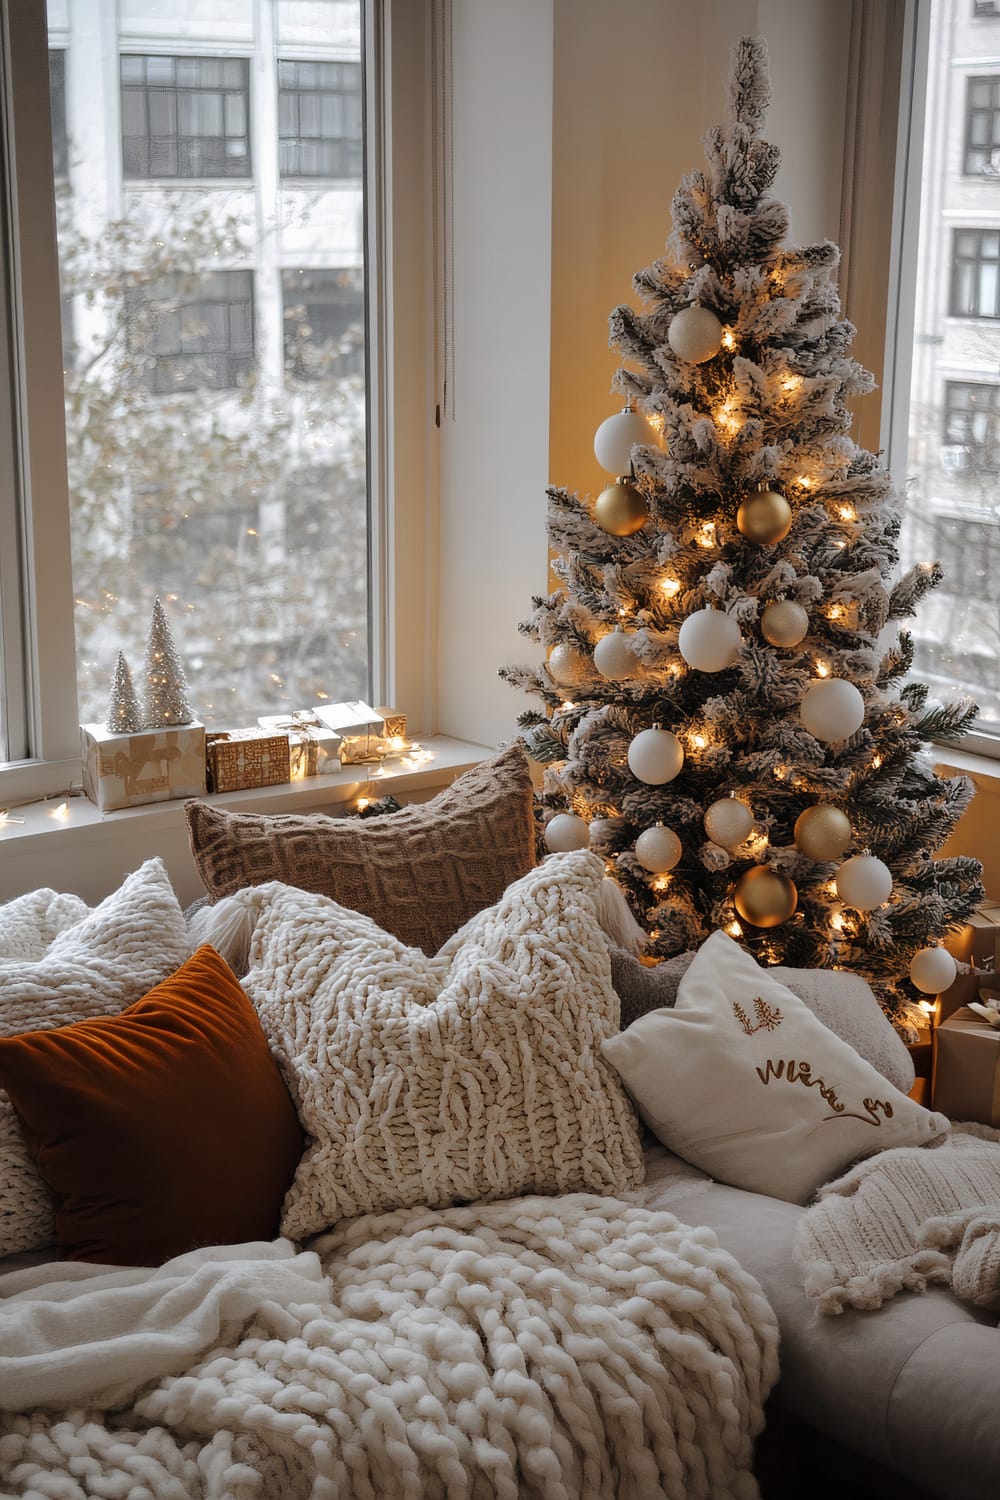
(727, 716)
(166, 686)
(124, 715)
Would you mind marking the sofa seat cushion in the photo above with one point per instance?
(910, 1385)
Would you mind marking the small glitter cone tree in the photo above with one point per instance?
(727, 717)
(124, 714)
(166, 687)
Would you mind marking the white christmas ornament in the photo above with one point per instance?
(709, 640)
(613, 655)
(832, 709)
(655, 756)
(728, 822)
(566, 665)
(695, 334)
(658, 849)
(933, 970)
(567, 831)
(614, 439)
(864, 882)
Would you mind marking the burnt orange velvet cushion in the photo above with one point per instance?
(159, 1129)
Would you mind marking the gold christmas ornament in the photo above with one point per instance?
(764, 897)
(728, 822)
(822, 832)
(784, 623)
(567, 666)
(695, 334)
(765, 517)
(621, 509)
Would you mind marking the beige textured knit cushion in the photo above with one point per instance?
(473, 1074)
(419, 873)
(132, 941)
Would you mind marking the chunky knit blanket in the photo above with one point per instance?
(567, 1348)
(905, 1218)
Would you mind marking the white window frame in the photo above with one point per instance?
(37, 651)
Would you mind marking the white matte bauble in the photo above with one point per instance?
(567, 831)
(695, 334)
(567, 666)
(655, 756)
(709, 640)
(613, 656)
(728, 822)
(933, 970)
(832, 709)
(658, 849)
(614, 439)
(864, 882)
(784, 623)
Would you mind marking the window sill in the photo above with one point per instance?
(68, 844)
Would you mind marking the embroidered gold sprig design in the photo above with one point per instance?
(769, 1017)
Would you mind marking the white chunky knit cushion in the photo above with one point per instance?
(473, 1074)
(105, 960)
(742, 1080)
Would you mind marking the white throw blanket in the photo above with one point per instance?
(904, 1218)
(567, 1348)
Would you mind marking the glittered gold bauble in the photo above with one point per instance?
(658, 849)
(695, 334)
(765, 517)
(822, 832)
(765, 898)
(567, 666)
(728, 822)
(621, 510)
(784, 623)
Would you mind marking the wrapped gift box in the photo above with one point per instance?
(394, 723)
(968, 984)
(966, 1082)
(978, 939)
(150, 765)
(362, 730)
(314, 750)
(244, 758)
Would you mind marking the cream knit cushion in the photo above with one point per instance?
(98, 965)
(29, 923)
(742, 1080)
(473, 1074)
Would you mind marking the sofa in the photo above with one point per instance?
(572, 1209)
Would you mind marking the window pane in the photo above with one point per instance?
(203, 470)
(951, 465)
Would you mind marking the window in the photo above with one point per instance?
(324, 321)
(972, 423)
(986, 7)
(185, 116)
(319, 119)
(57, 95)
(982, 127)
(975, 274)
(193, 335)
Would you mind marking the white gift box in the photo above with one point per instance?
(149, 765)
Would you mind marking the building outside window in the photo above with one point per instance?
(975, 274)
(951, 460)
(194, 335)
(185, 116)
(319, 119)
(324, 323)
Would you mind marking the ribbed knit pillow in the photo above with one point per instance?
(842, 1001)
(419, 873)
(473, 1074)
(97, 966)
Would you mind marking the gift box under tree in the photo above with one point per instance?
(966, 1080)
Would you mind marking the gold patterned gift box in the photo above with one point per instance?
(314, 750)
(244, 758)
(363, 740)
(149, 765)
